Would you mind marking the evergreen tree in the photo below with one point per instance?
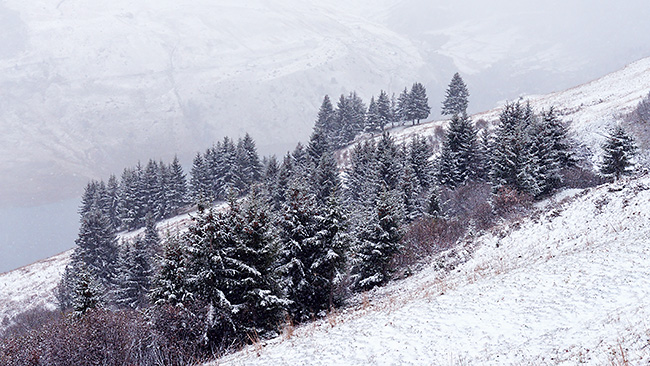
(418, 104)
(318, 145)
(112, 201)
(232, 175)
(134, 276)
(409, 189)
(298, 229)
(250, 161)
(169, 284)
(420, 152)
(200, 186)
(350, 114)
(458, 158)
(402, 107)
(384, 109)
(379, 243)
(557, 132)
(513, 162)
(254, 289)
(95, 254)
(153, 194)
(300, 162)
(331, 245)
(618, 150)
(207, 274)
(271, 170)
(362, 178)
(96, 247)
(327, 122)
(388, 164)
(87, 292)
(374, 121)
(177, 192)
(325, 179)
(456, 97)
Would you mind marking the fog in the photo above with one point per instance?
(87, 88)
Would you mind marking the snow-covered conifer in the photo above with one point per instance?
(456, 97)
(618, 151)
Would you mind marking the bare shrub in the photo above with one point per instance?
(508, 202)
(30, 320)
(579, 177)
(427, 236)
(464, 200)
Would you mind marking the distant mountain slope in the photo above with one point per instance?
(568, 287)
(87, 88)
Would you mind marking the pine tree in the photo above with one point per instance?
(420, 152)
(298, 229)
(458, 158)
(512, 162)
(418, 104)
(97, 247)
(169, 285)
(250, 161)
(254, 288)
(384, 110)
(618, 150)
(403, 106)
(409, 189)
(350, 115)
(96, 256)
(200, 186)
(456, 97)
(152, 191)
(112, 201)
(177, 192)
(232, 176)
(87, 292)
(374, 121)
(379, 243)
(318, 145)
(207, 274)
(327, 122)
(134, 276)
(325, 180)
(362, 178)
(331, 245)
(388, 164)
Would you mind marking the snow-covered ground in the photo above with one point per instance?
(570, 286)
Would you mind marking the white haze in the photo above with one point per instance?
(87, 88)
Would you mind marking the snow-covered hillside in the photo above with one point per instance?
(568, 287)
(90, 87)
(592, 108)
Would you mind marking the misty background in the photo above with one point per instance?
(88, 88)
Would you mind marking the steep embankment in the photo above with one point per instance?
(569, 286)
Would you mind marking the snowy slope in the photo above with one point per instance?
(569, 287)
(591, 108)
(542, 303)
